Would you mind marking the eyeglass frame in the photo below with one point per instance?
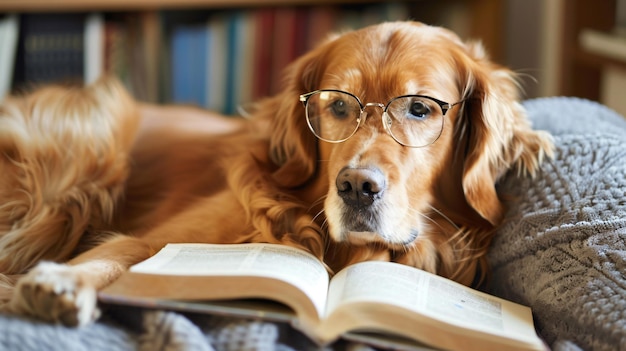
(445, 107)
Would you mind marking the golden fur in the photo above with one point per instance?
(92, 178)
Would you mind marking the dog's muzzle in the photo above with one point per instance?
(364, 212)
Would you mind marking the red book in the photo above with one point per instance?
(284, 45)
(264, 39)
(321, 22)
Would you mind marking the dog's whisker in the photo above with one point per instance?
(443, 215)
(465, 237)
(321, 212)
(460, 236)
(428, 218)
(317, 202)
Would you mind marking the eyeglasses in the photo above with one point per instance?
(411, 120)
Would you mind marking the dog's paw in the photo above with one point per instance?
(55, 293)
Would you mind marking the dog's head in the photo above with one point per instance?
(404, 173)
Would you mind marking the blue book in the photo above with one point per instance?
(240, 30)
(189, 64)
(232, 34)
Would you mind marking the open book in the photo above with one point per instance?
(368, 298)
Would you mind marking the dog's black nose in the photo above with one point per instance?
(359, 187)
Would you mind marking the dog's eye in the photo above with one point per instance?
(340, 108)
(419, 109)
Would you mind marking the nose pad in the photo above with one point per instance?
(362, 118)
(387, 122)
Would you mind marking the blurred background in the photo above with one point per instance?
(221, 54)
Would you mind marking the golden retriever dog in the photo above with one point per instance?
(386, 143)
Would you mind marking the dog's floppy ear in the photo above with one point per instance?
(496, 133)
(293, 148)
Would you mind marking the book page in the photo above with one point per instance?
(430, 295)
(292, 265)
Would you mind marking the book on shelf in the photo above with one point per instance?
(50, 49)
(115, 50)
(94, 40)
(9, 30)
(142, 41)
(217, 60)
(285, 36)
(382, 303)
(265, 22)
(240, 62)
(189, 64)
(322, 21)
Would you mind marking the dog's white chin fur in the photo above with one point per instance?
(363, 238)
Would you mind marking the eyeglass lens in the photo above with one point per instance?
(411, 120)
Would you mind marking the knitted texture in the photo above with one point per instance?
(23, 334)
(562, 246)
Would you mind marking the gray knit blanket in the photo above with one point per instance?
(562, 247)
(561, 250)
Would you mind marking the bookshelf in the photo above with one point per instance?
(138, 5)
(150, 29)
